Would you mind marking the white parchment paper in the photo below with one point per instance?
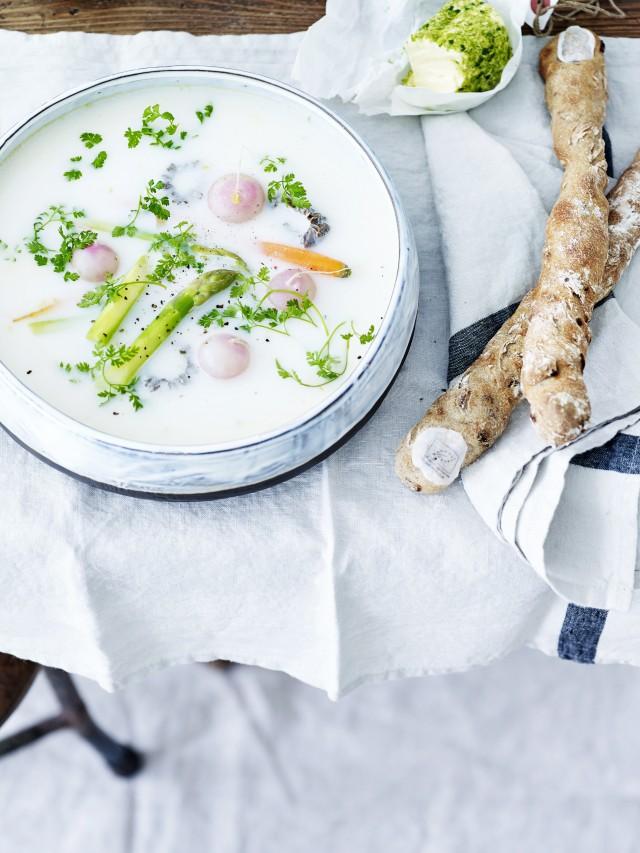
(356, 52)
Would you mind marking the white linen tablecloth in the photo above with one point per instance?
(337, 577)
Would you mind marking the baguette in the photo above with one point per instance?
(576, 239)
(478, 405)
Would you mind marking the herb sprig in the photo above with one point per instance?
(252, 311)
(150, 201)
(286, 188)
(159, 126)
(177, 252)
(89, 140)
(327, 366)
(99, 160)
(104, 358)
(205, 113)
(70, 239)
(176, 249)
(102, 293)
(364, 337)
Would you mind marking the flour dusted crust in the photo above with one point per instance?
(478, 405)
(575, 251)
(624, 226)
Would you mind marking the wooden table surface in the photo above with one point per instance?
(211, 16)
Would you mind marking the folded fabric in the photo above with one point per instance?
(578, 530)
(522, 491)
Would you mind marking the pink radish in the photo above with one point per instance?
(290, 280)
(224, 356)
(96, 262)
(236, 198)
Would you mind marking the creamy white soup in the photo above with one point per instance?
(188, 265)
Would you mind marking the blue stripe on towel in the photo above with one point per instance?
(608, 151)
(467, 344)
(621, 454)
(580, 633)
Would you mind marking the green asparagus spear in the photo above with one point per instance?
(199, 248)
(114, 312)
(163, 324)
(41, 327)
(216, 250)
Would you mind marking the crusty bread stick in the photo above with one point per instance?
(576, 239)
(478, 405)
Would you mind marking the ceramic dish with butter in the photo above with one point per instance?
(207, 281)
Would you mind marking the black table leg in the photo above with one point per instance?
(122, 759)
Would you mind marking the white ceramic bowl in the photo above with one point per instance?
(232, 467)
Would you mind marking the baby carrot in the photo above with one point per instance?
(305, 258)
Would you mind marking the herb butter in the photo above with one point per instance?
(464, 47)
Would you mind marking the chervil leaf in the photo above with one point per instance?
(99, 160)
(133, 137)
(69, 239)
(287, 188)
(158, 126)
(90, 139)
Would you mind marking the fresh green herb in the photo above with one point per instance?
(218, 316)
(3, 246)
(286, 188)
(106, 357)
(272, 164)
(327, 366)
(74, 174)
(90, 139)
(205, 113)
(263, 274)
(283, 373)
(366, 337)
(290, 191)
(254, 312)
(153, 203)
(70, 239)
(99, 160)
(104, 292)
(149, 201)
(160, 127)
(177, 248)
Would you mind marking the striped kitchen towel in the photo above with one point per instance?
(572, 512)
